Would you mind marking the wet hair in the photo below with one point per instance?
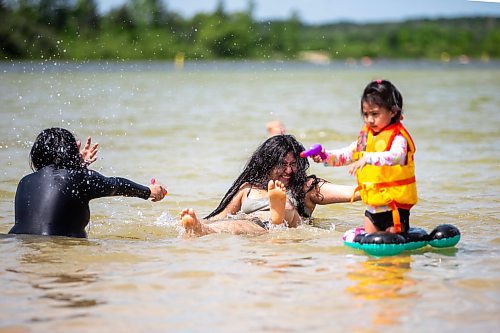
(55, 146)
(269, 155)
(384, 94)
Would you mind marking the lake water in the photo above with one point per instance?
(193, 130)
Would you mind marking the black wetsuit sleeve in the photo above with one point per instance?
(96, 186)
(55, 201)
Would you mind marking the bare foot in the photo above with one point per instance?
(191, 223)
(277, 200)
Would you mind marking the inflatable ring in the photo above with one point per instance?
(416, 238)
(388, 244)
(444, 235)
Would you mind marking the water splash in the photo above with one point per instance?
(166, 219)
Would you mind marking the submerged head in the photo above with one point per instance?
(275, 127)
(55, 146)
(381, 105)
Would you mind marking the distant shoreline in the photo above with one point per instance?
(41, 66)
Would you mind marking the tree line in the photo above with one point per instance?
(147, 29)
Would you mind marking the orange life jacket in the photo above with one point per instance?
(394, 185)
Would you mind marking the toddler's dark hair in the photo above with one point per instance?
(384, 94)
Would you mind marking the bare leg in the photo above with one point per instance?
(239, 227)
(192, 225)
(369, 227)
(393, 230)
(277, 201)
(292, 217)
(196, 227)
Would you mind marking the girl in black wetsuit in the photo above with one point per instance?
(54, 199)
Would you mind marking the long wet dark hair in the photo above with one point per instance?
(268, 155)
(55, 146)
(384, 94)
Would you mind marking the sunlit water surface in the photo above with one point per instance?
(193, 130)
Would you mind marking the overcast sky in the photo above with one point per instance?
(326, 11)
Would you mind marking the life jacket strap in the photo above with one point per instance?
(354, 192)
(400, 182)
(396, 220)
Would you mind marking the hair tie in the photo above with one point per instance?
(378, 81)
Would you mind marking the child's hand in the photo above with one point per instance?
(158, 191)
(317, 158)
(321, 157)
(359, 164)
(89, 151)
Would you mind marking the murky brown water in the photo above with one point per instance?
(193, 130)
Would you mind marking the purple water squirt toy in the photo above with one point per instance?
(315, 149)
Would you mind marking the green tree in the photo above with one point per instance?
(219, 35)
(148, 13)
(490, 44)
(119, 19)
(54, 13)
(86, 15)
(280, 38)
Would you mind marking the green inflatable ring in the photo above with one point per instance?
(382, 244)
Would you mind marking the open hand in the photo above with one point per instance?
(359, 164)
(89, 151)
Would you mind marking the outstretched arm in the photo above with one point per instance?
(339, 157)
(325, 193)
(95, 185)
(328, 193)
